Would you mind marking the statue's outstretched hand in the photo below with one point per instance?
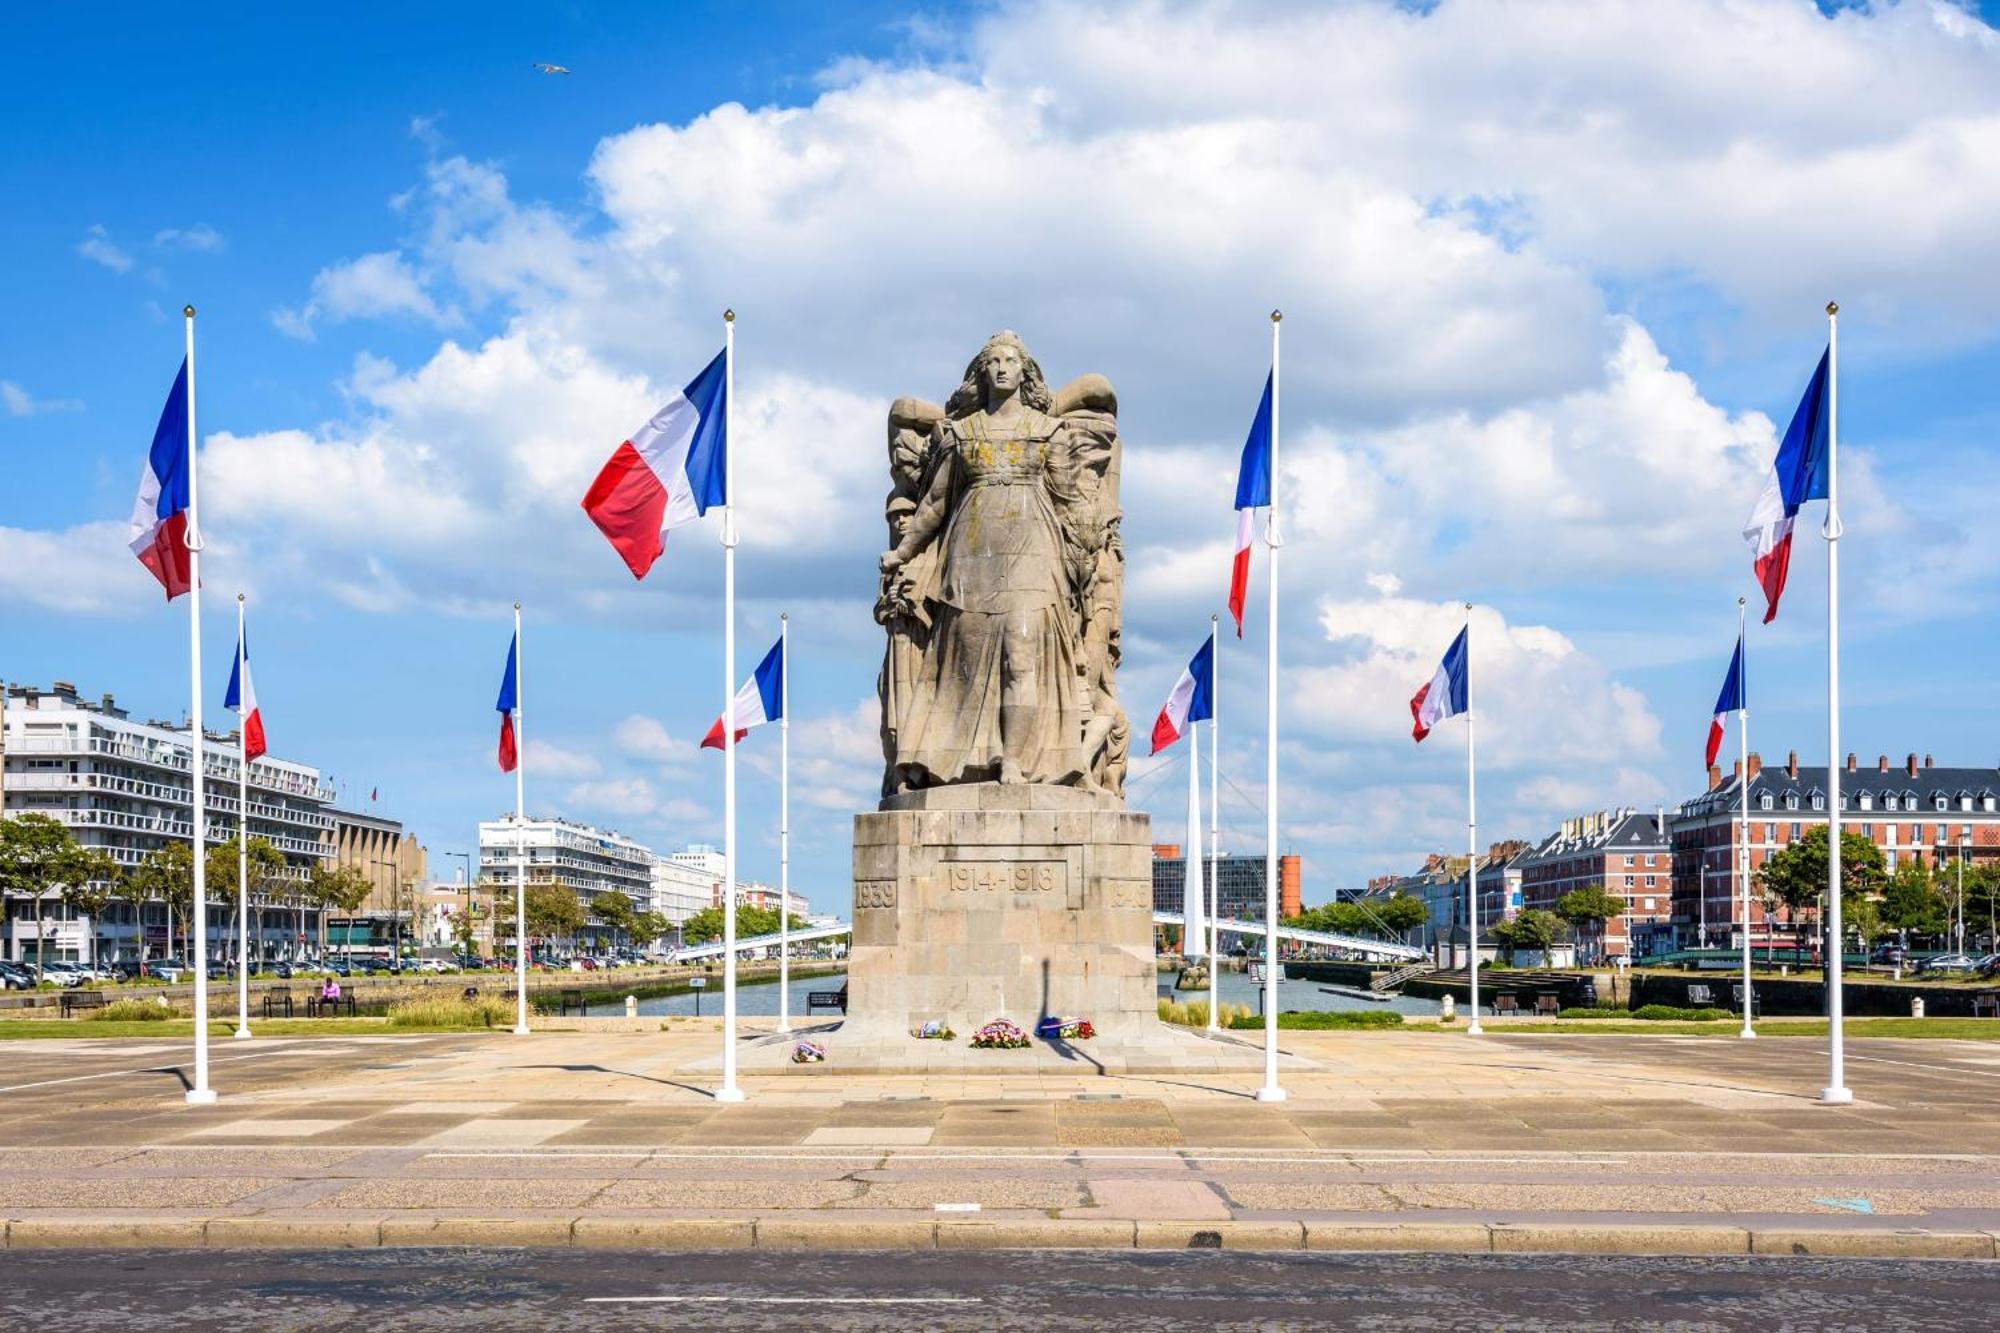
(891, 562)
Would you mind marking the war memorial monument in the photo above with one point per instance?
(1002, 875)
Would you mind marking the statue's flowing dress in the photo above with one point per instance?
(1000, 682)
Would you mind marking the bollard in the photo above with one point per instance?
(631, 1006)
(1916, 1006)
(1448, 1011)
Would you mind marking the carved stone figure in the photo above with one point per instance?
(1002, 592)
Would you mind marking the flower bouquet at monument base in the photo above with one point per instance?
(935, 1030)
(1000, 1035)
(1068, 1029)
(808, 1053)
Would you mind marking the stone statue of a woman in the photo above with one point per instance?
(1010, 525)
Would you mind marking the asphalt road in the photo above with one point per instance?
(497, 1291)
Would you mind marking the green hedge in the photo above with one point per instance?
(1316, 1020)
(1654, 1013)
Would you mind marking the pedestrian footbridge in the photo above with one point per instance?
(1361, 944)
(745, 943)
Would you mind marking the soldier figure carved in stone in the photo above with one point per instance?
(1002, 594)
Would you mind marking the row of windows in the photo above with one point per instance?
(1866, 801)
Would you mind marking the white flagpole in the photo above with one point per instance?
(1194, 931)
(784, 821)
(1743, 819)
(1271, 1092)
(1214, 822)
(520, 842)
(1472, 1029)
(242, 841)
(729, 1092)
(1836, 1091)
(200, 1094)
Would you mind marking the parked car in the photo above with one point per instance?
(13, 976)
(1950, 962)
(169, 970)
(1889, 955)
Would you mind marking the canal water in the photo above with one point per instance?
(761, 999)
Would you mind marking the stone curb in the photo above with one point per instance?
(826, 1233)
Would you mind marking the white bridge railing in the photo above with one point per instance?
(1356, 943)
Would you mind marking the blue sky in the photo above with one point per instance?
(1549, 284)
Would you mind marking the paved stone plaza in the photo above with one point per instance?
(1397, 1140)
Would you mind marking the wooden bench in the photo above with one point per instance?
(1506, 1004)
(320, 1006)
(1700, 997)
(72, 1000)
(827, 999)
(572, 998)
(1986, 1005)
(1547, 1003)
(278, 999)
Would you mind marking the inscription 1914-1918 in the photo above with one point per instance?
(1031, 877)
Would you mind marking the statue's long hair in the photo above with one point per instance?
(970, 395)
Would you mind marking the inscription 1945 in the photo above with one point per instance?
(1032, 877)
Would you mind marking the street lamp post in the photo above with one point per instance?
(1964, 850)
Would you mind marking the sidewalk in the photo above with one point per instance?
(1398, 1140)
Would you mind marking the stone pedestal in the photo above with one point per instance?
(985, 901)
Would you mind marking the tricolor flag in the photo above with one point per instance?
(1798, 474)
(761, 700)
(160, 514)
(1191, 700)
(1253, 491)
(242, 697)
(509, 699)
(1448, 693)
(1727, 702)
(669, 473)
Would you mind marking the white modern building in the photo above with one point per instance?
(589, 860)
(126, 788)
(680, 889)
(704, 859)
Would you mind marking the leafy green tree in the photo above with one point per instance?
(706, 924)
(166, 876)
(1911, 901)
(40, 856)
(267, 871)
(1588, 908)
(1796, 875)
(647, 927)
(1532, 930)
(90, 897)
(615, 910)
(335, 887)
(554, 911)
(1374, 916)
(1982, 899)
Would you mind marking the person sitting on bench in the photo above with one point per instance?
(330, 991)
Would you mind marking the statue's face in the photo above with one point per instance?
(1001, 369)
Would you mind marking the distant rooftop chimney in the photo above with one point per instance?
(1756, 765)
(1913, 764)
(1882, 763)
(1792, 765)
(1850, 761)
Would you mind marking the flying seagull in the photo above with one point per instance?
(551, 69)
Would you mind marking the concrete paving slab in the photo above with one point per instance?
(879, 1136)
(500, 1133)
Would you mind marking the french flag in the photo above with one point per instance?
(1253, 491)
(761, 700)
(509, 700)
(160, 514)
(1729, 701)
(1192, 699)
(1449, 692)
(1798, 474)
(669, 473)
(242, 699)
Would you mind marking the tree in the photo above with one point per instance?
(615, 910)
(89, 897)
(1588, 908)
(1532, 930)
(554, 911)
(1796, 875)
(266, 863)
(1375, 916)
(332, 886)
(166, 876)
(648, 927)
(706, 924)
(39, 856)
(1911, 900)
